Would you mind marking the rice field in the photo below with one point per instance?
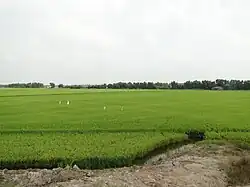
(100, 128)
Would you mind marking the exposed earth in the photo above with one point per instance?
(196, 165)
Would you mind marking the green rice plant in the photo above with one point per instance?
(168, 111)
(233, 136)
(37, 130)
(87, 151)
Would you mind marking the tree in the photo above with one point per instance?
(60, 86)
(151, 85)
(204, 84)
(52, 85)
(246, 85)
(188, 85)
(174, 85)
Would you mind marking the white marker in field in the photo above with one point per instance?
(104, 108)
(67, 102)
(60, 102)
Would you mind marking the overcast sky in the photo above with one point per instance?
(98, 41)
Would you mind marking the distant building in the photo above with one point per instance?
(47, 86)
(217, 88)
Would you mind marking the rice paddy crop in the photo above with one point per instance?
(37, 130)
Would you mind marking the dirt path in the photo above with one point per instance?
(190, 165)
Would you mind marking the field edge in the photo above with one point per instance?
(97, 162)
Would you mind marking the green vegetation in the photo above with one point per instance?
(97, 150)
(37, 131)
(218, 84)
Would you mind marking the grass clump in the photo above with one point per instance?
(239, 171)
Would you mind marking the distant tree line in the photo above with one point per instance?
(202, 85)
(26, 85)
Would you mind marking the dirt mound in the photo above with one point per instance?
(191, 165)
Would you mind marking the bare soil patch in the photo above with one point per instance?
(200, 165)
